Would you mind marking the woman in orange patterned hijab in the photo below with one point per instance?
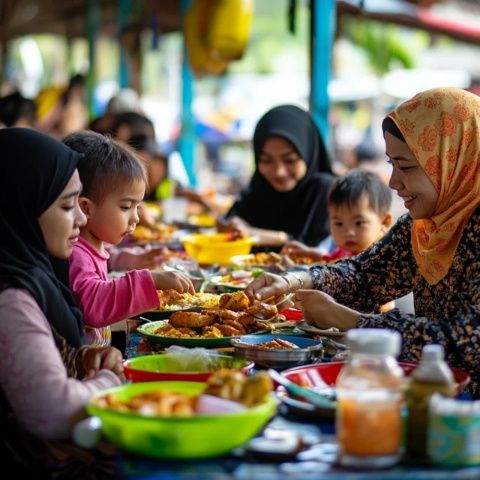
(440, 128)
(433, 143)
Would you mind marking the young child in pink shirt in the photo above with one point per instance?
(114, 183)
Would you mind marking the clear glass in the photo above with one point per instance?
(369, 425)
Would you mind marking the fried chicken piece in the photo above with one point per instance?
(190, 320)
(228, 330)
(237, 301)
(236, 325)
(259, 326)
(246, 320)
(226, 384)
(233, 385)
(222, 313)
(256, 389)
(263, 309)
(169, 296)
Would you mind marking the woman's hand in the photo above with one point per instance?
(293, 247)
(174, 280)
(145, 217)
(234, 224)
(93, 359)
(267, 285)
(321, 310)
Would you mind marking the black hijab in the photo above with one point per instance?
(34, 170)
(301, 212)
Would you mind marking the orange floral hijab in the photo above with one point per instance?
(442, 129)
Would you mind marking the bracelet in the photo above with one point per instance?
(296, 276)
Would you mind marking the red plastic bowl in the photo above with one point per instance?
(160, 367)
(326, 373)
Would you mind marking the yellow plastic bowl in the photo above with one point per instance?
(215, 248)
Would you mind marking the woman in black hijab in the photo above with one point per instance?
(45, 381)
(287, 195)
(30, 158)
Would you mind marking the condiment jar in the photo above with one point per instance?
(369, 392)
(432, 375)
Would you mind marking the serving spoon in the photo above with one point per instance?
(297, 391)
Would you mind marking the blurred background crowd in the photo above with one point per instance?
(46, 82)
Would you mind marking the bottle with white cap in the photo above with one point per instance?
(369, 392)
(433, 375)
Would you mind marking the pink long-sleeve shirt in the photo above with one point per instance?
(105, 301)
(33, 376)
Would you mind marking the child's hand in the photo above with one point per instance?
(174, 280)
(134, 260)
(296, 250)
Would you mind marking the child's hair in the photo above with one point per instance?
(352, 186)
(106, 164)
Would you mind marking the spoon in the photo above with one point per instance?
(199, 273)
(296, 390)
(282, 302)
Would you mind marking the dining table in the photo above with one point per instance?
(291, 446)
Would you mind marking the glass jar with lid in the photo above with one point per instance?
(369, 392)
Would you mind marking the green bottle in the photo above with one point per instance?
(433, 375)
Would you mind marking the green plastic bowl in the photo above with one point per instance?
(161, 367)
(201, 436)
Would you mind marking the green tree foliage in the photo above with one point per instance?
(385, 45)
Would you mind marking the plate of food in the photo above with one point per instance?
(237, 279)
(234, 316)
(161, 332)
(312, 330)
(172, 301)
(259, 259)
(273, 351)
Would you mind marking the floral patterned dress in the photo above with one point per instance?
(447, 313)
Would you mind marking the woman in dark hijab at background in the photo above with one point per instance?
(29, 158)
(281, 206)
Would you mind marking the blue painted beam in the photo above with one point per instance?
(93, 26)
(187, 140)
(323, 21)
(124, 9)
